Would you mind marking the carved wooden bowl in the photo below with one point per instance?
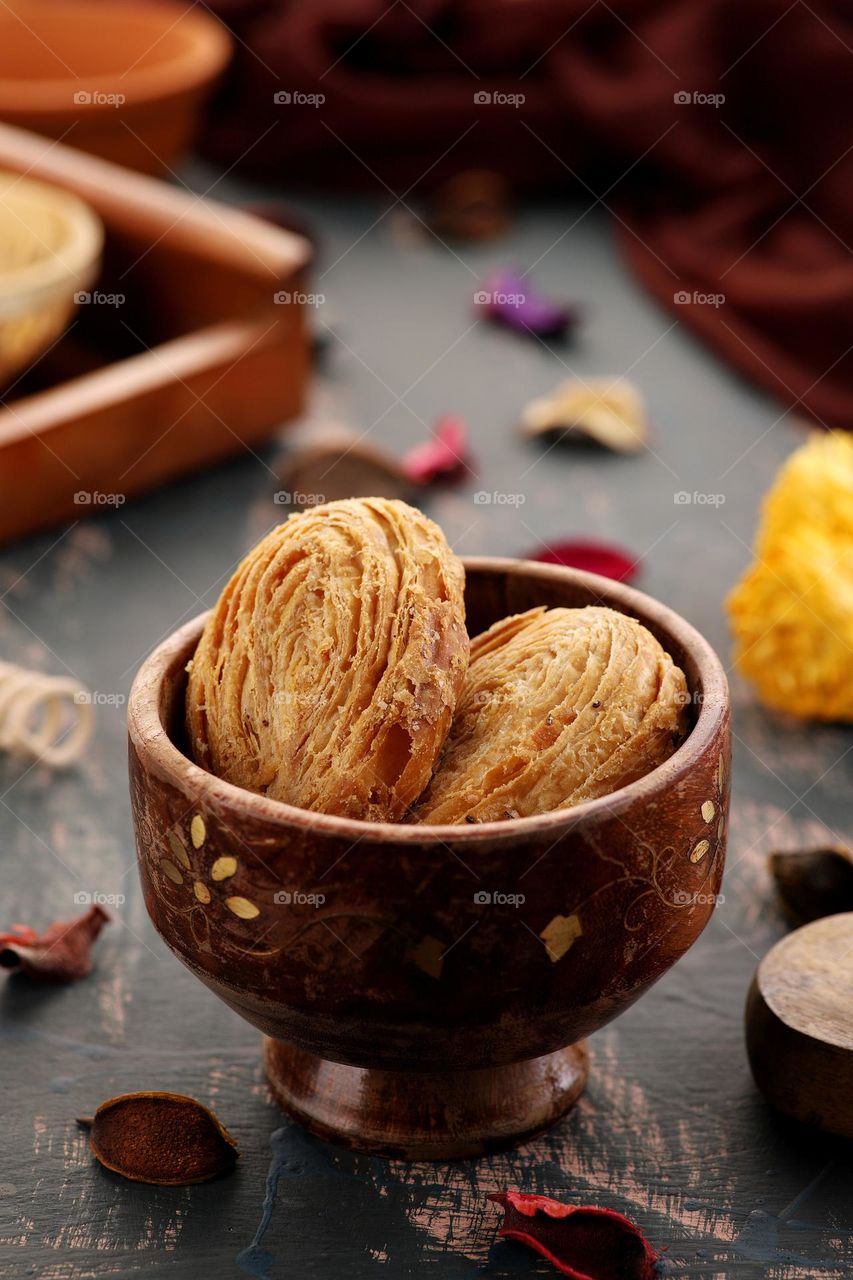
(424, 989)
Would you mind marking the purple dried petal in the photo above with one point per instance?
(511, 299)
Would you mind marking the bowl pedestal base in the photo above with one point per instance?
(425, 1115)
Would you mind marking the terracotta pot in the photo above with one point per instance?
(421, 984)
(124, 81)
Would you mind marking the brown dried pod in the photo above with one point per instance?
(813, 882)
(163, 1138)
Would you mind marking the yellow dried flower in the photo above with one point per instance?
(792, 611)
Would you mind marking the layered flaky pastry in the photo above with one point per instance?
(328, 672)
(559, 706)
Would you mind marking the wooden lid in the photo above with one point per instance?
(799, 1024)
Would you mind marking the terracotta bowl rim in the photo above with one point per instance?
(157, 750)
(206, 53)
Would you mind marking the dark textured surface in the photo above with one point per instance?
(670, 1130)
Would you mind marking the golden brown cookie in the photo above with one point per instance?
(559, 706)
(328, 672)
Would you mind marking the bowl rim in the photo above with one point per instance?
(73, 262)
(207, 51)
(156, 748)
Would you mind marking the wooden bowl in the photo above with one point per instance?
(123, 81)
(425, 988)
(50, 249)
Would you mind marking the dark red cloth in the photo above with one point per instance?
(750, 199)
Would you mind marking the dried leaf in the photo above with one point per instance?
(162, 1138)
(511, 299)
(442, 455)
(472, 205)
(582, 1241)
(61, 953)
(609, 411)
(814, 882)
(592, 557)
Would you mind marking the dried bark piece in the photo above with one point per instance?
(336, 465)
(814, 882)
(472, 205)
(606, 410)
(444, 454)
(162, 1138)
(559, 706)
(43, 717)
(592, 557)
(582, 1241)
(328, 672)
(62, 953)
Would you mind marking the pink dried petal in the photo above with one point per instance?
(61, 953)
(582, 1241)
(442, 455)
(592, 557)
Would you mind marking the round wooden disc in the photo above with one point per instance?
(799, 1024)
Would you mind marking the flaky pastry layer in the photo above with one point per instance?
(328, 672)
(559, 706)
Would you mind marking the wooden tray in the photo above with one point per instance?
(200, 360)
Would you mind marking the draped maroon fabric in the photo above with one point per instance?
(719, 133)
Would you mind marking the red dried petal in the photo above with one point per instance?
(582, 1241)
(444, 453)
(61, 953)
(593, 557)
